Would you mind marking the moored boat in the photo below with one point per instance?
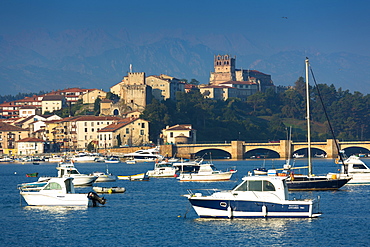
(67, 169)
(140, 176)
(162, 169)
(330, 181)
(57, 192)
(356, 169)
(145, 155)
(260, 171)
(206, 173)
(32, 175)
(109, 190)
(112, 160)
(255, 196)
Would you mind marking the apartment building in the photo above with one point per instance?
(125, 132)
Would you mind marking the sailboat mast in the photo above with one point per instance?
(308, 120)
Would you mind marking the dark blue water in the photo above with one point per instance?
(153, 213)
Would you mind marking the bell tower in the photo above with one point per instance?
(224, 69)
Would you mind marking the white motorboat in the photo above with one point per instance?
(206, 173)
(188, 166)
(162, 169)
(57, 192)
(84, 157)
(145, 155)
(55, 158)
(357, 169)
(255, 196)
(67, 169)
(104, 177)
(297, 156)
(112, 160)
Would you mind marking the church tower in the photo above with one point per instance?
(224, 66)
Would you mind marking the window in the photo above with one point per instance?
(85, 129)
(142, 132)
(127, 131)
(142, 125)
(256, 185)
(92, 123)
(171, 134)
(53, 186)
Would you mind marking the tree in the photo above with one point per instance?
(97, 106)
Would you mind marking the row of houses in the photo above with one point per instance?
(39, 134)
(50, 102)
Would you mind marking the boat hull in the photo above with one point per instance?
(205, 178)
(317, 184)
(38, 199)
(221, 208)
(109, 190)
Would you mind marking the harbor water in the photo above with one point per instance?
(153, 213)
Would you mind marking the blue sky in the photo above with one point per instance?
(325, 26)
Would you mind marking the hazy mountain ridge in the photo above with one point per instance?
(41, 60)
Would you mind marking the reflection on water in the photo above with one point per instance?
(54, 212)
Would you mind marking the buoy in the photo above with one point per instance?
(15, 172)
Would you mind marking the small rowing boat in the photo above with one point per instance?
(109, 190)
(140, 176)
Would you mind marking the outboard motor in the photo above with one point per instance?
(95, 198)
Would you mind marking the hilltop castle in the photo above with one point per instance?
(225, 71)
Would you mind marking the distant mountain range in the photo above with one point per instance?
(41, 60)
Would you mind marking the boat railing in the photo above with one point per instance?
(31, 187)
(207, 192)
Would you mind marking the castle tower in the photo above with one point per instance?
(224, 69)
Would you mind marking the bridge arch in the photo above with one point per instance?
(356, 150)
(315, 152)
(213, 153)
(261, 153)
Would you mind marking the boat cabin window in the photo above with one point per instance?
(53, 186)
(256, 185)
(359, 166)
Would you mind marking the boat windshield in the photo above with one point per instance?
(256, 185)
(53, 186)
(359, 166)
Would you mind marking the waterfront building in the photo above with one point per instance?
(9, 134)
(30, 146)
(75, 133)
(179, 133)
(125, 132)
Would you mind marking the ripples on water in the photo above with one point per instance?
(153, 213)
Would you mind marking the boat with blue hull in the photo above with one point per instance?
(255, 197)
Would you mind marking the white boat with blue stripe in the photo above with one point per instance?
(256, 196)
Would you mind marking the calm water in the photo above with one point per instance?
(153, 213)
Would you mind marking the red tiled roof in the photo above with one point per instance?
(180, 127)
(30, 139)
(9, 127)
(117, 125)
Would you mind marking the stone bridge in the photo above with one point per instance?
(238, 149)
